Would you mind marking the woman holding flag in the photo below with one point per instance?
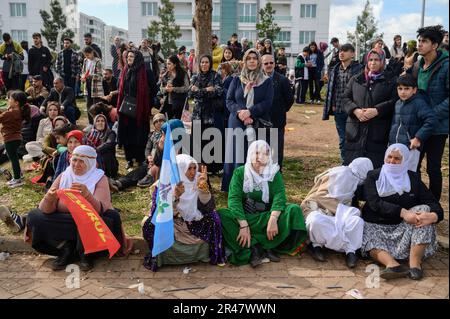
(196, 225)
(54, 227)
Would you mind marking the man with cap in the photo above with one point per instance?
(217, 52)
(37, 92)
(339, 76)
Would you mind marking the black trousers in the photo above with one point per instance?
(11, 84)
(314, 84)
(50, 230)
(132, 178)
(434, 150)
(302, 88)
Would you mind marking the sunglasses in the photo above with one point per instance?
(269, 63)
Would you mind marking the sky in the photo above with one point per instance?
(393, 16)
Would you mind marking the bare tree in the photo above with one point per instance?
(202, 24)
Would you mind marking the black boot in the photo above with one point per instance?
(257, 255)
(272, 256)
(65, 257)
(351, 260)
(86, 262)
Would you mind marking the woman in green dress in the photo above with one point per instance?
(258, 222)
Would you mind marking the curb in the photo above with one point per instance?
(12, 244)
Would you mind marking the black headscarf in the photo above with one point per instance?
(204, 78)
(137, 63)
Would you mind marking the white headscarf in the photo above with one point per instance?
(89, 156)
(343, 180)
(394, 177)
(254, 181)
(187, 205)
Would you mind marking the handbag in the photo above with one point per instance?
(261, 123)
(128, 107)
(253, 207)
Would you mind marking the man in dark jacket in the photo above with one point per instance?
(433, 78)
(88, 42)
(340, 75)
(282, 101)
(8, 50)
(40, 61)
(65, 96)
(235, 46)
(68, 65)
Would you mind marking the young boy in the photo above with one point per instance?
(301, 75)
(414, 120)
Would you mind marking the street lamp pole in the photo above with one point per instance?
(422, 22)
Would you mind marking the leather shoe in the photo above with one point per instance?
(415, 273)
(272, 256)
(86, 262)
(351, 260)
(316, 253)
(65, 257)
(399, 271)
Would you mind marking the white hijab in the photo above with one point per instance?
(343, 180)
(89, 156)
(187, 205)
(394, 177)
(254, 181)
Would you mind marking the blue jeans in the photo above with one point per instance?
(340, 119)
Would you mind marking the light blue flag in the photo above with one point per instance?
(164, 236)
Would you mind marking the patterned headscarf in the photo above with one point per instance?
(252, 78)
(372, 76)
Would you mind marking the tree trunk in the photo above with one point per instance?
(202, 23)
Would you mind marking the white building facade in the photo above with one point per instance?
(301, 21)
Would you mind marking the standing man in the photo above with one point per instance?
(88, 42)
(147, 52)
(40, 61)
(245, 47)
(339, 77)
(115, 53)
(10, 52)
(217, 52)
(235, 46)
(334, 53)
(432, 72)
(282, 101)
(281, 61)
(68, 64)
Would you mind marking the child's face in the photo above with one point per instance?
(72, 143)
(405, 92)
(61, 140)
(12, 102)
(158, 124)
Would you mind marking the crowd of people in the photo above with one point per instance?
(391, 111)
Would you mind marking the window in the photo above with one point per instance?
(216, 12)
(91, 22)
(149, 8)
(18, 9)
(247, 12)
(308, 10)
(284, 36)
(307, 36)
(19, 35)
(250, 35)
(91, 31)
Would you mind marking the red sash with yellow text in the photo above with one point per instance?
(94, 233)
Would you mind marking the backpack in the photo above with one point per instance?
(16, 65)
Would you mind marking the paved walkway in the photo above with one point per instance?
(25, 275)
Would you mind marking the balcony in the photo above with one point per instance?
(247, 19)
(216, 18)
(181, 17)
(282, 44)
(186, 43)
(282, 18)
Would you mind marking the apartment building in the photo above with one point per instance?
(301, 21)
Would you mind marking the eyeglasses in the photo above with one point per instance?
(269, 63)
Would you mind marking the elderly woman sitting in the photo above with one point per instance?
(258, 222)
(198, 233)
(400, 216)
(330, 220)
(51, 227)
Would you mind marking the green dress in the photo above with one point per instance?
(292, 233)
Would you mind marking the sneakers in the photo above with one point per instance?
(7, 176)
(15, 183)
(146, 181)
(14, 221)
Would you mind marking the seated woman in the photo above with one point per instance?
(258, 222)
(400, 216)
(51, 228)
(103, 139)
(198, 232)
(330, 220)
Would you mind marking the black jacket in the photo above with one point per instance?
(370, 138)
(97, 49)
(283, 99)
(386, 210)
(67, 97)
(37, 59)
(355, 68)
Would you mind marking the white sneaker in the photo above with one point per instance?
(15, 183)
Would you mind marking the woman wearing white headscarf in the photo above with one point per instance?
(249, 99)
(330, 220)
(198, 232)
(259, 222)
(52, 228)
(400, 216)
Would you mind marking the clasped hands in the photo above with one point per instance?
(245, 116)
(418, 219)
(365, 114)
